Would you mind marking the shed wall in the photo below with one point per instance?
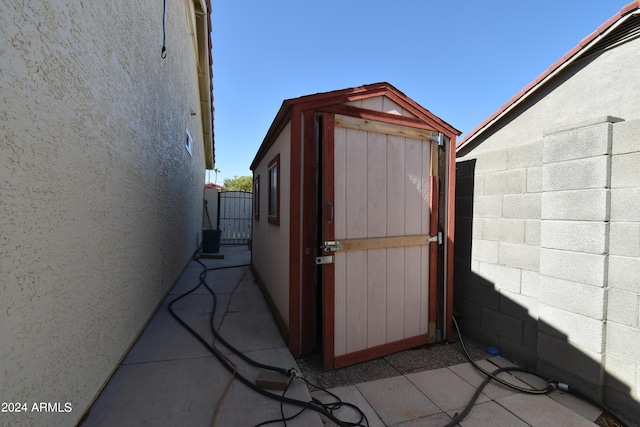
(270, 242)
(101, 204)
(547, 243)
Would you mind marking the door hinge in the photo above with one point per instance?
(327, 259)
(439, 139)
(437, 238)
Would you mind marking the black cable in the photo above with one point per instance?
(163, 53)
(551, 385)
(493, 376)
(215, 332)
(314, 404)
(484, 383)
(282, 418)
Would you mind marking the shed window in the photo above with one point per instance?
(274, 190)
(256, 198)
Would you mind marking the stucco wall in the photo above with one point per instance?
(546, 255)
(270, 242)
(101, 204)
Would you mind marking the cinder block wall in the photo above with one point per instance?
(497, 289)
(100, 202)
(574, 255)
(548, 255)
(622, 360)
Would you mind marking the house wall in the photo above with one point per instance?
(101, 204)
(270, 242)
(547, 205)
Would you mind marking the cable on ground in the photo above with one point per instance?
(314, 404)
(551, 385)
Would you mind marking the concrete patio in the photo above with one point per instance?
(169, 378)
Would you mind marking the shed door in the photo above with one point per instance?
(379, 190)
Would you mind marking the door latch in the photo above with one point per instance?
(331, 246)
(327, 259)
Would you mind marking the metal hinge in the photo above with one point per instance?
(327, 259)
(437, 238)
(439, 139)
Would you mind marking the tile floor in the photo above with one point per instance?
(170, 379)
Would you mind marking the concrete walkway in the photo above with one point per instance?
(169, 378)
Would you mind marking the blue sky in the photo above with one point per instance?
(460, 60)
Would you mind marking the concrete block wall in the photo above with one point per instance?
(574, 257)
(622, 363)
(502, 221)
(548, 263)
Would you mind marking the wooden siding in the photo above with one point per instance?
(381, 190)
(381, 103)
(271, 246)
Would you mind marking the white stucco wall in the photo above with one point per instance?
(100, 203)
(551, 270)
(270, 242)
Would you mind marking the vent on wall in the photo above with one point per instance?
(625, 32)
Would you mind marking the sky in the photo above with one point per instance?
(461, 60)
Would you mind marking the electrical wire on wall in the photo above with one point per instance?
(163, 53)
(325, 409)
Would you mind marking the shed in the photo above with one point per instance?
(353, 223)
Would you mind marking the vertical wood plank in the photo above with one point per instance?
(425, 187)
(328, 166)
(340, 178)
(395, 185)
(356, 301)
(413, 182)
(356, 184)
(426, 229)
(395, 227)
(376, 297)
(412, 289)
(340, 304)
(376, 185)
(395, 294)
(424, 289)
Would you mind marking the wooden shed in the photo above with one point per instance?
(353, 223)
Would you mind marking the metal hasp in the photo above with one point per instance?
(331, 246)
(327, 259)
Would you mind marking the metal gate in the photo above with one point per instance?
(234, 217)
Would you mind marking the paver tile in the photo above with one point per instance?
(539, 411)
(397, 399)
(490, 414)
(444, 388)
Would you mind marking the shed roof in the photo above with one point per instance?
(337, 98)
(611, 32)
